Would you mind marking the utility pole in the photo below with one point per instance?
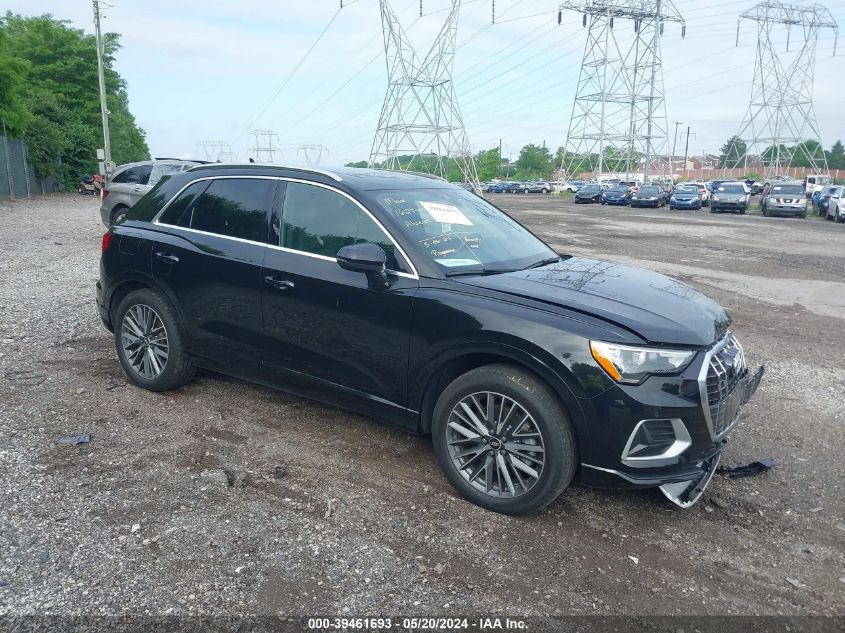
(686, 154)
(101, 76)
(674, 144)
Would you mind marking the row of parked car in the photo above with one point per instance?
(779, 197)
(518, 186)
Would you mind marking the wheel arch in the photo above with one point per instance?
(129, 284)
(441, 371)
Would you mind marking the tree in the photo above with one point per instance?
(807, 154)
(533, 162)
(61, 96)
(13, 111)
(733, 152)
(836, 156)
(360, 163)
(489, 163)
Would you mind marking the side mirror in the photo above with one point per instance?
(364, 258)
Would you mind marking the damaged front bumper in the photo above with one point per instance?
(677, 448)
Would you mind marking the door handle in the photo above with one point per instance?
(279, 284)
(167, 257)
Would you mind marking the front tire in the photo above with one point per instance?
(149, 342)
(503, 439)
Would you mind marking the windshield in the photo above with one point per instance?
(590, 188)
(650, 190)
(618, 189)
(460, 231)
(792, 190)
(731, 189)
(688, 189)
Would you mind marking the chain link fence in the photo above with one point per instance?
(17, 177)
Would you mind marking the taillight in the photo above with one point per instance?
(107, 237)
(104, 193)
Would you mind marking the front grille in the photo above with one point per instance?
(725, 371)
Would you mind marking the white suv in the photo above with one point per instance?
(131, 181)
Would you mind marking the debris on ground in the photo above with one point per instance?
(218, 477)
(749, 470)
(635, 559)
(329, 507)
(718, 502)
(73, 440)
(26, 377)
(280, 471)
(795, 583)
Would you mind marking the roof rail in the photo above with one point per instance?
(312, 170)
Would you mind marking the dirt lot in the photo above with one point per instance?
(142, 520)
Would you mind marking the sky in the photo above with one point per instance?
(315, 74)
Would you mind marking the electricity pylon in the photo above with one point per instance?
(420, 127)
(313, 153)
(216, 151)
(780, 120)
(265, 149)
(618, 119)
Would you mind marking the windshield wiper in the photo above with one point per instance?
(479, 271)
(543, 262)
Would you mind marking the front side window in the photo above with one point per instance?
(461, 232)
(235, 207)
(321, 221)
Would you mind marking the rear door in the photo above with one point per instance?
(328, 324)
(209, 259)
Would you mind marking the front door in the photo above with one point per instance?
(328, 324)
(210, 260)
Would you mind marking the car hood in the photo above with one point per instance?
(658, 308)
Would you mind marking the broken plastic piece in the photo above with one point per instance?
(749, 470)
(73, 440)
(685, 493)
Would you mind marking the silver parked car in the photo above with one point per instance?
(785, 198)
(131, 181)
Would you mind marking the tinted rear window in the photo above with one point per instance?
(175, 212)
(235, 207)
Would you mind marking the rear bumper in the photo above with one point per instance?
(102, 308)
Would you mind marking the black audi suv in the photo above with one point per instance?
(406, 298)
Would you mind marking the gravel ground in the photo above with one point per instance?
(174, 508)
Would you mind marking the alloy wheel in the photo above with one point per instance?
(495, 444)
(144, 340)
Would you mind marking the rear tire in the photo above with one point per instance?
(168, 371)
(118, 213)
(505, 488)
